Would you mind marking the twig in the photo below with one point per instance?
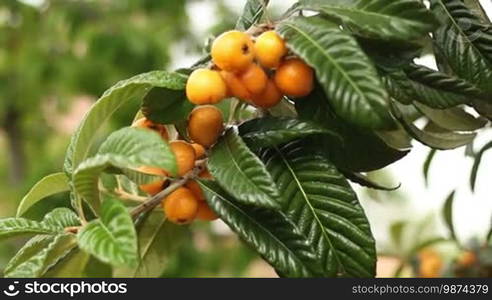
(155, 200)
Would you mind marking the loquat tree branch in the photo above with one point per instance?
(155, 200)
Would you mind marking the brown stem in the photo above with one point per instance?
(155, 200)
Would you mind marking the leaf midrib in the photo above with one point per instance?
(304, 194)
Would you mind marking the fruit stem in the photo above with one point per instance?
(155, 200)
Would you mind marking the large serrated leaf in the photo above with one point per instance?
(252, 13)
(70, 266)
(167, 106)
(39, 254)
(361, 150)
(270, 131)
(269, 232)
(124, 150)
(53, 223)
(241, 173)
(112, 238)
(465, 42)
(133, 89)
(455, 118)
(437, 139)
(321, 202)
(48, 186)
(157, 240)
(389, 20)
(346, 74)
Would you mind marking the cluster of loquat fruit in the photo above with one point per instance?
(256, 70)
(186, 203)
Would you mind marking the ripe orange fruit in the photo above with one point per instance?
(294, 78)
(185, 156)
(467, 259)
(156, 186)
(148, 124)
(235, 86)
(199, 150)
(270, 97)
(430, 264)
(195, 188)
(205, 87)
(233, 51)
(254, 79)
(181, 206)
(205, 213)
(205, 124)
(270, 48)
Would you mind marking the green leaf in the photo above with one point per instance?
(125, 151)
(321, 202)
(241, 173)
(476, 164)
(436, 139)
(167, 106)
(133, 89)
(39, 254)
(389, 20)
(112, 238)
(270, 131)
(465, 42)
(346, 74)
(427, 164)
(71, 266)
(269, 232)
(361, 150)
(447, 213)
(365, 181)
(157, 240)
(252, 13)
(48, 186)
(53, 223)
(438, 90)
(455, 119)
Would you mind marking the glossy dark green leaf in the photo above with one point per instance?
(465, 42)
(252, 13)
(447, 213)
(476, 164)
(241, 173)
(441, 139)
(365, 181)
(269, 232)
(389, 20)
(455, 118)
(361, 150)
(167, 106)
(112, 238)
(270, 131)
(323, 205)
(345, 72)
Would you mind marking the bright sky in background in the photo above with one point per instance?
(450, 170)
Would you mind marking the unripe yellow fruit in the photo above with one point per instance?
(181, 206)
(205, 125)
(270, 48)
(294, 78)
(205, 87)
(185, 156)
(233, 51)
